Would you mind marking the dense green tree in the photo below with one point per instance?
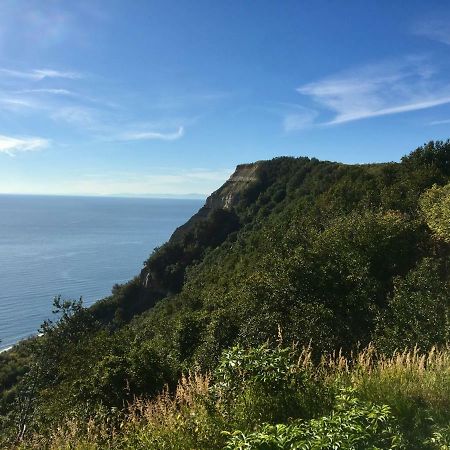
(418, 312)
(435, 206)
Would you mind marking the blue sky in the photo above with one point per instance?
(166, 97)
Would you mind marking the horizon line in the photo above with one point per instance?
(191, 196)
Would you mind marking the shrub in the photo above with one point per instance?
(265, 384)
(353, 425)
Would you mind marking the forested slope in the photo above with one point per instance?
(324, 254)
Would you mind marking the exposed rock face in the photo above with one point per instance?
(225, 197)
(228, 195)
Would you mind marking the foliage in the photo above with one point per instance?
(353, 425)
(418, 311)
(333, 255)
(435, 205)
(374, 402)
(266, 384)
(415, 384)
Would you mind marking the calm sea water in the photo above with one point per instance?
(74, 246)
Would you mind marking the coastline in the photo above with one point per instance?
(76, 247)
(10, 346)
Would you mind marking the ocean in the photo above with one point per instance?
(74, 247)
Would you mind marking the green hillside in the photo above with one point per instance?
(329, 256)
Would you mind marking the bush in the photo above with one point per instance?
(265, 384)
(353, 425)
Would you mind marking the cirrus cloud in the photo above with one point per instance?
(387, 88)
(12, 145)
(299, 119)
(436, 28)
(40, 74)
(152, 135)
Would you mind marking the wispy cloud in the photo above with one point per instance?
(435, 28)
(76, 115)
(11, 145)
(40, 74)
(47, 91)
(299, 118)
(62, 93)
(71, 104)
(64, 103)
(378, 90)
(12, 103)
(153, 135)
(440, 122)
(294, 117)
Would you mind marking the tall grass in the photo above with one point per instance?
(184, 419)
(415, 385)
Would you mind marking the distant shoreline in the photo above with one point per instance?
(192, 196)
(30, 336)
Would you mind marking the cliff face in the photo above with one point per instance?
(224, 199)
(229, 194)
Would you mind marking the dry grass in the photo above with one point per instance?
(416, 385)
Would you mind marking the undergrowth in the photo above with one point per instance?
(278, 398)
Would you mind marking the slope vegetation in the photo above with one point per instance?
(326, 255)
